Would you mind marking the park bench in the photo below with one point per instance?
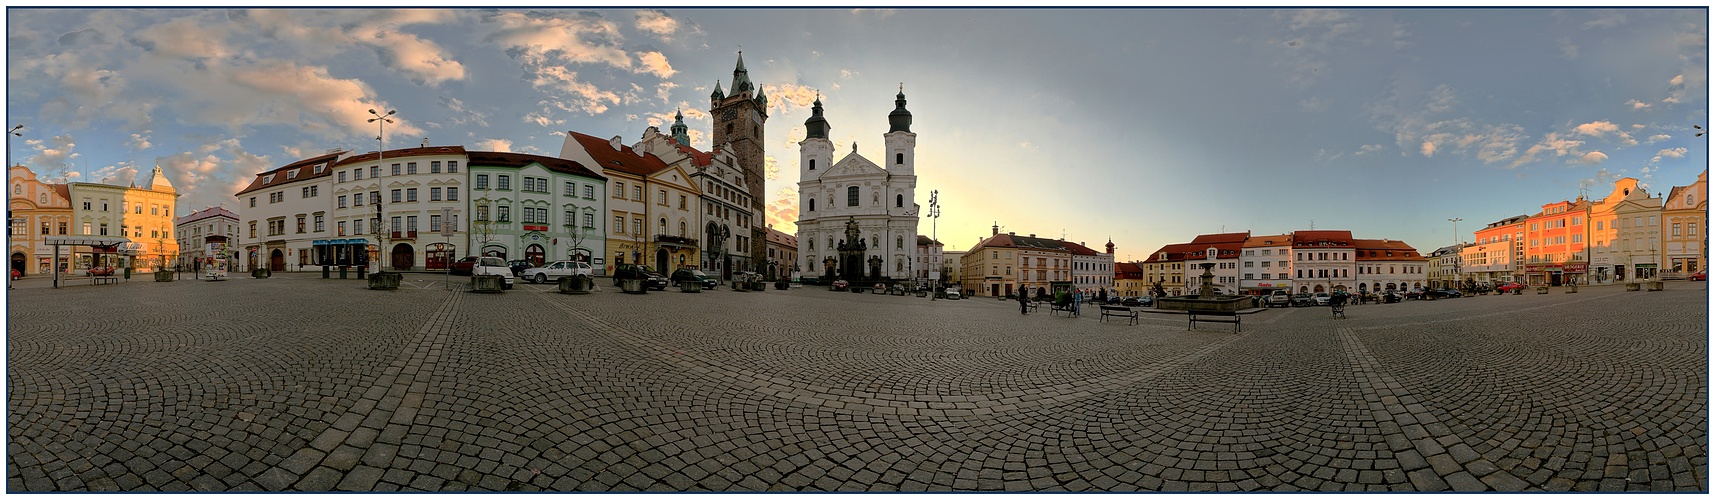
(1121, 311)
(1220, 317)
(1069, 307)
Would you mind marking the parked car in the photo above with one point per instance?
(101, 271)
(1508, 287)
(1303, 300)
(553, 271)
(16, 274)
(1445, 293)
(493, 266)
(651, 279)
(1142, 300)
(1391, 296)
(1414, 294)
(1699, 276)
(695, 275)
(1322, 298)
(462, 267)
(518, 266)
(953, 294)
(1278, 298)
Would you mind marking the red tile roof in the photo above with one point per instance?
(305, 169)
(1381, 248)
(1269, 240)
(1221, 238)
(1175, 252)
(623, 159)
(1128, 270)
(64, 190)
(776, 236)
(925, 240)
(1315, 239)
(403, 153)
(501, 159)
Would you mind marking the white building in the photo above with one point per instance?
(285, 211)
(724, 216)
(212, 227)
(880, 200)
(1446, 267)
(1387, 265)
(1220, 249)
(1092, 270)
(1322, 261)
(928, 261)
(410, 185)
(1630, 241)
(1266, 264)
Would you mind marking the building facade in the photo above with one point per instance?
(1624, 235)
(1555, 249)
(1166, 269)
(1388, 265)
(739, 120)
(1091, 270)
(1446, 267)
(927, 261)
(1266, 264)
(724, 214)
(141, 215)
(1128, 280)
(285, 212)
(1685, 228)
(531, 207)
(1222, 250)
(39, 209)
(1495, 256)
(203, 233)
(782, 255)
(1324, 261)
(880, 201)
(653, 220)
(953, 262)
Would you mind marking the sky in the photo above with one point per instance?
(1146, 126)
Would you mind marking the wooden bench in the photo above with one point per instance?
(1121, 311)
(1069, 307)
(1225, 317)
(97, 280)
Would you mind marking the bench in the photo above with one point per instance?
(1121, 311)
(1225, 317)
(97, 280)
(1069, 307)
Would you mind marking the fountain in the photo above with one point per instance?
(1205, 300)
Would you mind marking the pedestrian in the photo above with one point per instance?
(1023, 301)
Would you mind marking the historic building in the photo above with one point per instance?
(652, 220)
(1128, 280)
(204, 233)
(724, 216)
(1003, 263)
(1379, 265)
(1494, 257)
(286, 211)
(1222, 251)
(782, 257)
(1625, 235)
(531, 207)
(39, 209)
(1685, 228)
(1446, 267)
(1322, 261)
(1092, 270)
(1165, 269)
(953, 262)
(928, 261)
(141, 215)
(1266, 264)
(878, 201)
(1555, 250)
(739, 120)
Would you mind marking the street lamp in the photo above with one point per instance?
(381, 120)
(9, 133)
(934, 234)
(1455, 222)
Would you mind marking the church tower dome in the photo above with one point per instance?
(680, 131)
(817, 126)
(900, 119)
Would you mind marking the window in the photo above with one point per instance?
(899, 158)
(812, 164)
(637, 193)
(395, 195)
(452, 194)
(812, 204)
(636, 225)
(300, 224)
(434, 168)
(661, 197)
(453, 168)
(571, 189)
(589, 220)
(619, 189)
(681, 202)
(341, 201)
(852, 196)
(410, 167)
(411, 221)
(357, 174)
(503, 182)
(589, 191)
(505, 213)
(395, 172)
(899, 200)
(154, 209)
(320, 223)
(356, 227)
(619, 224)
(394, 226)
(357, 200)
(1690, 229)
(375, 171)
(340, 227)
(481, 181)
(482, 212)
(681, 229)
(410, 194)
(305, 192)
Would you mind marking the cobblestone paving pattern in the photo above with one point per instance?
(300, 384)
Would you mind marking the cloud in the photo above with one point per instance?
(1312, 36)
(1368, 149)
(1671, 153)
(138, 142)
(421, 60)
(463, 116)
(1658, 138)
(785, 97)
(1428, 149)
(1567, 49)
(1441, 99)
(1606, 19)
(782, 212)
(211, 172)
(52, 155)
(655, 63)
(770, 168)
(1554, 143)
(1412, 119)
(847, 73)
(1590, 158)
(496, 145)
(1028, 146)
(1638, 105)
(657, 23)
(1675, 90)
(664, 90)
(1604, 129)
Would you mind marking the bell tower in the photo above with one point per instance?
(739, 118)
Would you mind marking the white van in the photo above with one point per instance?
(494, 266)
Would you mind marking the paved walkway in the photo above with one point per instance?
(299, 383)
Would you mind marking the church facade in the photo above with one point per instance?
(857, 199)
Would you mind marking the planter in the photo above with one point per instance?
(690, 287)
(260, 273)
(782, 285)
(632, 285)
(922, 293)
(757, 286)
(576, 285)
(485, 283)
(1571, 289)
(386, 281)
(1633, 287)
(163, 276)
(1541, 290)
(1655, 286)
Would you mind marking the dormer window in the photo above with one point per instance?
(267, 178)
(320, 169)
(292, 174)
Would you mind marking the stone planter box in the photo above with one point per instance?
(1633, 287)
(922, 293)
(163, 276)
(1655, 286)
(1571, 289)
(632, 285)
(758, 286)
(690, 287)
(386, 281)
(261, 272)
(486, 283)
(1541, 290)
(576, 285)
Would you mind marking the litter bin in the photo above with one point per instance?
(361, 272)
(325, 272)
(342, 271)
(127, 274)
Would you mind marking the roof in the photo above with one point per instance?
(698, 158)
(1011, 240)
(64, 190)
(1077, 248)
(776, 236)
(1175, 252)
(925, 241)
(1269, 240)
(623, 159)
(1401, 251)
(1308, 239)
(204, 214)
(403, 153)
(1516, 219)
(501, 159)
(1447, 249)
(1121, 268)
(305, 169)
(1221, 238)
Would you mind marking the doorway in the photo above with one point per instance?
(436, 256)
(534, 254)
(18, 263)
(276, 260)
(403, 257)
(661, 260)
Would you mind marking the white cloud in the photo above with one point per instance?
(770, 168)
(496, 145)
(656, 64)
(1369, 149)
(1638, 105)
(1672, 153)
(1604, 129)
(786, 97)
(1428, 149)
(1590, 158)
(1441, 99)
(847, 73)
(1675, 90)
(1306, 48)
(658, 23)
(1028, 146)
(1606, 19)
(782, 212)
(139, 142)
(664, 90)
(1658, 138)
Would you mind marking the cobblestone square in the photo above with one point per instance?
(296, 383)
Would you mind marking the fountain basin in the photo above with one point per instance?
(1195, 304)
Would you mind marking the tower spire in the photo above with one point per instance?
(900, 119)
(817, 126)
(740, 76)
(680, 131)
(717, 94)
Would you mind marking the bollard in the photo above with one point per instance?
(360, 273)
(342, 271)
(325, 272)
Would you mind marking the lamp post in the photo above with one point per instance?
(934, 236)
(14, 131)
(1455, 222)
(381, 120)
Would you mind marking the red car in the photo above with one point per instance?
(463, 267)
(1508, 287)
(1700, 276)
(101, 271)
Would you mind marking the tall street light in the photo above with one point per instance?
(934, 236)
(381, 120)
(1455, 222)
(9, 133)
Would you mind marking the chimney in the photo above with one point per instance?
(1032, 235)
(614, 143)
(425, 142)
(995, 229)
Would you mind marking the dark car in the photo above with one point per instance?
(1392, 296)
(694, 275)
(1303, 300)
(651, 279)
(1445, 293)
(1143, 300)
(463, 266)
(519, 265)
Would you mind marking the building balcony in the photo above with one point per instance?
(675, 240)
(404, 235)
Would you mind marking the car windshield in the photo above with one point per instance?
(492, 261)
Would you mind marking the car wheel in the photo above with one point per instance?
(541, 278)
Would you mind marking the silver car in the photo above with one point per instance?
(553, 271)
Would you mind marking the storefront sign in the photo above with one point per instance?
(1574, 268)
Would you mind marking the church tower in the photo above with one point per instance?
(739, 118)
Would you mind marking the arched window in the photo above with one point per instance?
(899, 200)
(899, 242)
(899, 158)
(852, 196)
(661, 226)
(812, 164)
(681, 229)
(812, 204)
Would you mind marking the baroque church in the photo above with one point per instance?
(856, 205)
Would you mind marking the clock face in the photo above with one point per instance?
(729, 114)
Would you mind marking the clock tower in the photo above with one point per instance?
(738, 119)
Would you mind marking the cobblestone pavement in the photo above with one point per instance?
(302, 384)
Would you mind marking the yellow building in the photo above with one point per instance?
(39, 209)
(653, 219)
(1167, 267)
(1684, 229)
(1128, 279)
(141, 215)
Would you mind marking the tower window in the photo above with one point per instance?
(852, 196)
(729, 129)
(812, 164)
(812, 204)
(899, 200)
(899, 158)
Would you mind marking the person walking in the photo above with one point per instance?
(1023, 301)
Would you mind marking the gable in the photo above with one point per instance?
(853, 165)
